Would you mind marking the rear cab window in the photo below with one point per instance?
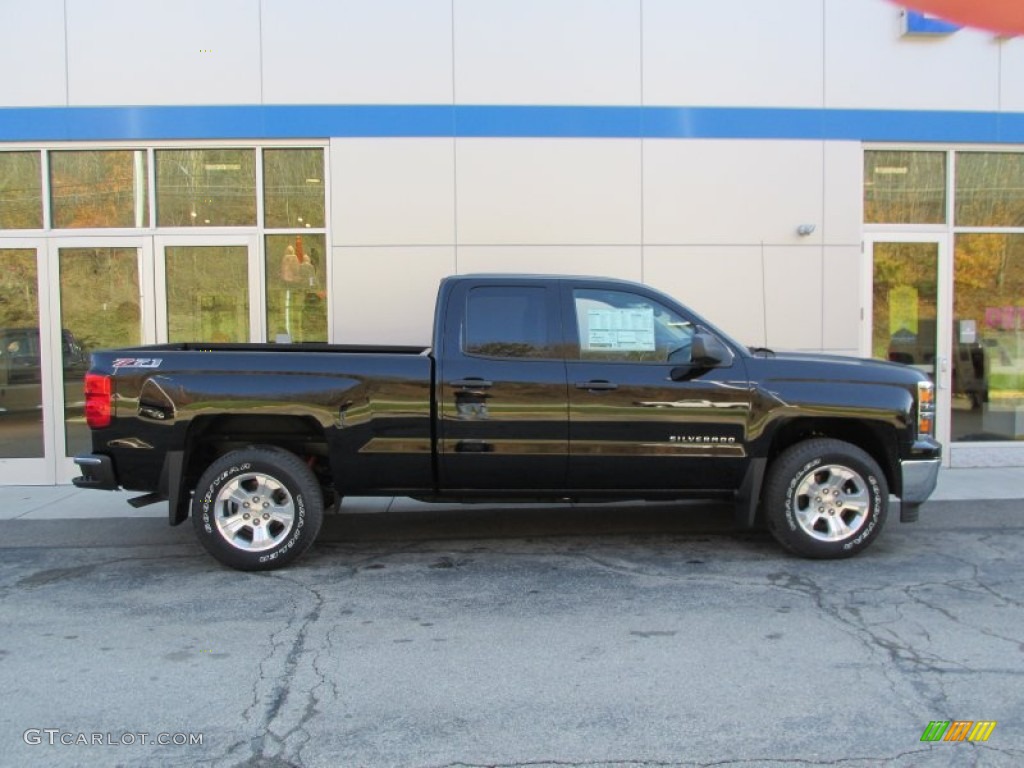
(509, 321)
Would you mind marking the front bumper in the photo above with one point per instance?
(97, 472)
(920, 477)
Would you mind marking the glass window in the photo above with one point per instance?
(988, 337)
(904, 187)
(507, 321)
(207, 293)
(21, 190)
(205, 187)
(293, 188)
(21, 391)
(296, 271)
(989, 189)
(905, 304)
(99, 189)
(620, 326)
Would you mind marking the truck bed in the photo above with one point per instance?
(365, 409)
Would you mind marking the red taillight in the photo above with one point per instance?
(98, 403)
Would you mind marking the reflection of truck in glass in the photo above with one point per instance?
(21, 388)
(535, 389)
(969, 377)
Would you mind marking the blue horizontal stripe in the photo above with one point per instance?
(321, 121)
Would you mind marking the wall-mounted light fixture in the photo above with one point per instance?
(805, 229)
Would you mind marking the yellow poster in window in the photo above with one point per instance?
(903, 310)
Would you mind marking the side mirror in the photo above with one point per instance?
(706, 351)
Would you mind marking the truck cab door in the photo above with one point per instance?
(656, 401)
(501, 389)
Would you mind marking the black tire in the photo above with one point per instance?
(825, 499)
(257, 509)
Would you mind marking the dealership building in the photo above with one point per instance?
(816, 175)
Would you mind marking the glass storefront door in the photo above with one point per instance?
(908, 312)
(59, 300)
(101, 302)
(26, 434)
(208, 289)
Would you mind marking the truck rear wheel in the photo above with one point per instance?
(257, 509)
(825, 499)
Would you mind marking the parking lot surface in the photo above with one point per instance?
(619, 636)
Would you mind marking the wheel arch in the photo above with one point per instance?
(876, 439)
(210, 437)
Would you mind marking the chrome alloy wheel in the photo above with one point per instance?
(832, 503)
(254, 512)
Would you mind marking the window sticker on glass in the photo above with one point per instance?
(628, 330)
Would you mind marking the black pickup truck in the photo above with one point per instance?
(535, 389)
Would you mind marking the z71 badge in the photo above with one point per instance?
(137, 362)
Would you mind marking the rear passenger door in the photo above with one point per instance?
(504, 422)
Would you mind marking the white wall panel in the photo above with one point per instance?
(793, 297)
(1011, 80)
(185, 52)
(547, 51)
(599, 261)
(393, 191)
(386, 295)
(722, 283)
(357, 52)
(32, 54)
(844, 193)
(548, 191)
(842, 294)
(729, 192)
(733, 53)
(869, 65)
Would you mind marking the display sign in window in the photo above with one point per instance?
(620, 326)
(628, 330)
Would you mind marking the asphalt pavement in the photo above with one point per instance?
(611, 636)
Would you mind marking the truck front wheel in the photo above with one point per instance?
(257, 509)
(825, 499)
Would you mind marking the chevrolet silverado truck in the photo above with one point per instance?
(536, 388)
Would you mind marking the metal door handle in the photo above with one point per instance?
(596, 386)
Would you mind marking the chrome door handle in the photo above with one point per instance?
(597, 386)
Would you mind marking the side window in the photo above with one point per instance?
(623, 326)
(507, 321)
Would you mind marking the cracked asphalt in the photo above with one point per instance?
(615, 637)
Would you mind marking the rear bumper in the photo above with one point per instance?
(920, 477)
(97, 472)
